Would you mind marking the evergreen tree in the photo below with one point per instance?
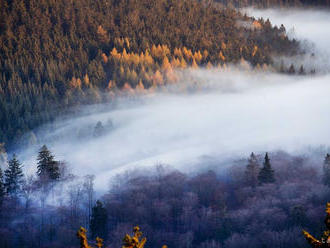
(98, 129)
(326, 170)
(252, 171)
(266, 174)
(99, 220)
(13, 177)
(2, 188)
(47, 166)
(292, 70)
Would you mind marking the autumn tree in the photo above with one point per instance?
(266, 174)
(252, 171)
(13, 177)
(48, 167)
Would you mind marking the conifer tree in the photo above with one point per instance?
(252, 171)
(2, 188)
(98, 129)
(266, 174)
(99, 220)
(47, 166)
(326, 170)
(13, 177)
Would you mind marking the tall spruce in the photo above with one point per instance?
(266, 174)
(2, 188)
(14, 177)
(252, 171)
(326, 170)
(99, 220)
(48, 167)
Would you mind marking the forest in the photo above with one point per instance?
(274, 3)
(255, 202)
(58, 55)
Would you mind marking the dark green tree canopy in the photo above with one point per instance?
(2, 187)
(266, 174)
(98, 224)
(48, 168)
(14, 177)
(326, 170)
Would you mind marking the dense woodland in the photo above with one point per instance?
(55, 55)
(263, 201)
(273, 3)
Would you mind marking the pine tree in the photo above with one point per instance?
(252, 171)
(47, 166)
(326, 170)
(2, 188)
(266, 174)
(98, 130)
(13, 177)
(99, 220)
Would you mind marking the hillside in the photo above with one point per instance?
(274, 3)
(58, 54)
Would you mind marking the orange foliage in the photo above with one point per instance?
(114, 53)
(105, 58)
(178, 52)
(194, 64)
(221, 56)
(255, 49)
(157, 78)
(256, 25)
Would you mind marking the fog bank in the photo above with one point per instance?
(310, 26)
(233, 113)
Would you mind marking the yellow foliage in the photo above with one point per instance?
(127, 43)
(221, 56)
(86, 80)
(325, 239)
(125, 56)
(148, 59)
(157, 78)
(166, 64)
(178, 52)
(75, 83)
(194, 64)
(205, 54)
(114, 53)
(134, 241)
(134, 59)
(175, 63)
(81, 234)
(198, 56)
(99, 242)
(183, 63)
(187, 53)
(255, 49)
